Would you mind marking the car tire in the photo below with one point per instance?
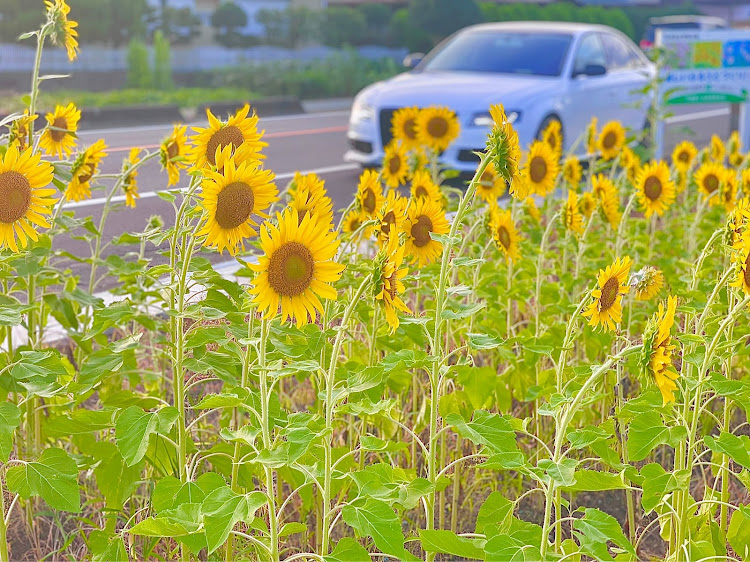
(545, 123)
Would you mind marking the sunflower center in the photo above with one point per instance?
(486, 180)
(537, 169)
(711, 183)
(234, 204)
(437, 127)
(609, 140)
(609, 294)
(221, 138)
(15, 196)
(388, 220)
(683, 156)
(354, 224)
(368, 202)
(173, 150)
(394, 164)
(86, 176)
(747, 271)
(291, 269)
(504, 237)
(59, 123)
(652, 188)
(420, 231)
(410, 130)
(420, 192)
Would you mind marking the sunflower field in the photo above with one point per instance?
(547, 363)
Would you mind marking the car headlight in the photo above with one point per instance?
(361, 111)
(485, 119)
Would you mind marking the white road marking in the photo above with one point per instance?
(150, 194)
(167, 126)
(697, 115)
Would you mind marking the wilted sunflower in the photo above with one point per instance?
(606, 194)
(353, 221)
(505, 152)
(425, 217)
(437, 127)
(504, 233)
(572, 219)
(395, 165)
(24, 196)
(631, 163)
(172, 153)
(656, 191)
(238, 130)
(656, 356)
(308, 196)
(59, 136)
(404, 127)
(390, 217)
(606, 310)
(591, 136)
(422, 187)
(296, 268)
(741, 261)
(647, 283)
(683, 156)
(734, 143)
(63, 30)
(552, 135)
(737, 222)
(709, 177)
(83, 169)
(681, 181)
(532, 209)
(129, 183)
(736, 159)
(572, 172)
(389, 271)
(417, 160)
(19, 130)
(232, 199)
(369, 193)
(729, 192)
(587, 204)
(540, 169)
(716, 149)
(491, 185)
(611, 140)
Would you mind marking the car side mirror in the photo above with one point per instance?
(592, 70)
(413, 59)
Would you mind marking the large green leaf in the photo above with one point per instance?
(348, 550)
(595, 530)
(105, 547)
(487, 429)
(738, 533)
(10, 417)
(54, 477)
(495, 512)
(373, 518)
(222, 509)
(595, 481)
(447, 542)
(647, 431)
(736, 446)
(135, 427)
(657, 483)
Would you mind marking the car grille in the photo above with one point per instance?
(385, 125)
(361, 146)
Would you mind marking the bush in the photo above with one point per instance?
(139, 71)
(162, 65)
(407, 34)
(342, 25)
(440, 18)
(291, 27)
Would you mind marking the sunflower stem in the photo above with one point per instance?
(40, 36)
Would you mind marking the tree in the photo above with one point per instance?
(440, 18)
(139, 70)
(343, 26)
(228, 18)
(291, 27)
(162, 79)
(406, 34)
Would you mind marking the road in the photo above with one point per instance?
(307, 142)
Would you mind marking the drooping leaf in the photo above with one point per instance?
(495, 511)
(348, 550)
(595, 530)
(54, 477)
(134, 428)
(647, 431)
(105, 547)
(736, 446)
(738, 533)
(447, 542)
(373, 518)
(10, 417)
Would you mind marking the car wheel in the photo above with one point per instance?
(546, 122)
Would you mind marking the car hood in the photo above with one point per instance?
(461, 91)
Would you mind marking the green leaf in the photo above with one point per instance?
(495, 511)
(105, 547)
(507, 548)
(10, 417)
(595, 481)
(162, 527)
(595, 529)
(462, 311)
(373, 518)
(738, 533)
(646, 432)
(222, 509)
(736, 446)
(292, 529)
(657, 483)
(134, 428)
(54, 477)
(348, 550)
(580, 438)
(483, 341)
(447, 542)
(486, 429)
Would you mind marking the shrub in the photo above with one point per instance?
(342, 25)
(139, 71)
(162, 65)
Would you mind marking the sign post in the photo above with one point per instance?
(705, 67)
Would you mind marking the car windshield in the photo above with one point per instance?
(539, 54)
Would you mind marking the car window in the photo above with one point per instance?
(590, 51)
(619, 54)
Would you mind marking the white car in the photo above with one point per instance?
(539, 71)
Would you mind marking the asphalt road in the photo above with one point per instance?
(308, 142)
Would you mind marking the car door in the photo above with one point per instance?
(588, 96)
(628, 76)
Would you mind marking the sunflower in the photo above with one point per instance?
(533, 210)
(354, 219)
(59, 136)
(745, 182)
(656, 191)
(238, 130)
(541, 168)
(24, 196)
(19, 130)
(587, 204)
(631, 163)
(709, 177)
(729, 192)
(395, 165)
(296, 268)
(572, 172)
(437, 127)
(129, 184)
(681, 182)
(611, 140)
(683, 156)
(591, 136)
(230, 200)
(552, 135)
(736, 159)
(83, 169)
(647, 283)
(308, 196)
(734, 143)
(572, 219)
(741, 261)
(417, 160)
(656, 356)
(505, 151)
(606, 310)
(716, 149)
(491, 185)
(369, 193)
(63, 30)
(424, 218)
(172, 153)
(422, 187)
(389, 271)
(737, 222)
(403, 127)
(504, 233)
(605, 193)
(390, 217)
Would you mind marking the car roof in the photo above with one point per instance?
(574, 28)
(686, 19)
